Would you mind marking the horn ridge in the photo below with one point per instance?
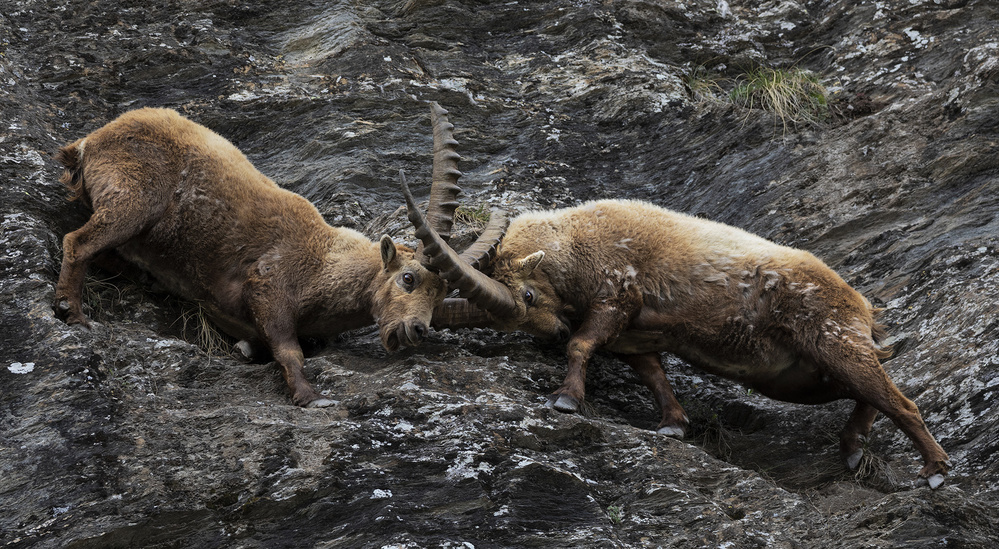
(482, 252)
(459, 313)
(444, 189)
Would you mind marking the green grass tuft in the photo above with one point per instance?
(476, 217)
(795, 96)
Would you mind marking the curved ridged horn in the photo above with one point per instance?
(457, 312)
(444, 188)
(481, 290)
(481, 253)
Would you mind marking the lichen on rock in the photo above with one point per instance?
(128, 435)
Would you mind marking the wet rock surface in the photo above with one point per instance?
(131, 434)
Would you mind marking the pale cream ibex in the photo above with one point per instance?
(636, 279)
(186, 205)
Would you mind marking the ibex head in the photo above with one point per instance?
(538, 308)
(408, 287)
(406, 295)
(519, 295)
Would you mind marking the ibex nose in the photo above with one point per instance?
(412, 332)
(420, 329)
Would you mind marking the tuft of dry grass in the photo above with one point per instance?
(703, 85)
(476, 217)
(105, 297)
(111, 298)
(874, 470)
(795, 96)
(198, 329)
(715, 439)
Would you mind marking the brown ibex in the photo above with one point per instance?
(636, 279)
(187, 206)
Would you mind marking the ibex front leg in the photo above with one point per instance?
(288, 354)
(604, 321)
(275, 319)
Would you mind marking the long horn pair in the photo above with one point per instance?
(434, 231)
(458, 270)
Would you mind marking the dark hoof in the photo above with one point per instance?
(853, 460)
(64, 312)
(671, 431)
(563, 403)
(79, 320)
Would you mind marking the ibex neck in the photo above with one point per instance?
(341, 296)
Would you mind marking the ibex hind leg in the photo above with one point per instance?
(855, 433)
(111, 225)
(649, 368)
(866, 381)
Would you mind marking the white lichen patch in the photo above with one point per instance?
(918, 40)
(21, 367)
(243, 96)
(597, 73)
(464, 466)
(983, 60)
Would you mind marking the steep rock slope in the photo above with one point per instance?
(130, 435)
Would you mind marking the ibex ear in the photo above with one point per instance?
(529, 263)
(388, 250)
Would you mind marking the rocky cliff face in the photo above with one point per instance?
(132, 435)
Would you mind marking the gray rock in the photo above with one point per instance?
(131, 434)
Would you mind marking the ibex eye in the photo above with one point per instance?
(408, 278)
(529, 297)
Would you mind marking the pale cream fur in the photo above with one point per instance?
(633, 278)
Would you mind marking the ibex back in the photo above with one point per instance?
(186, 205)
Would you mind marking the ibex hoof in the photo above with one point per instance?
(563, 403)
(853, 460)
(934, 481)
(245, 350)
(78, 320)
(321, 403)
(671, 431)
(65, 312)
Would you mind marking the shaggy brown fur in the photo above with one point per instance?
(185, 204)
(636, 279)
